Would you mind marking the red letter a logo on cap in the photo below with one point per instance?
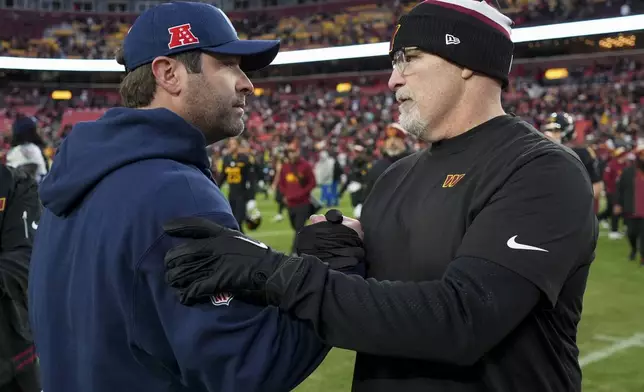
(181, 36)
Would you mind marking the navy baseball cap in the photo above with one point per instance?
(177, 27)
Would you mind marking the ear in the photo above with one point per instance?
(168, 74)
(467, 73)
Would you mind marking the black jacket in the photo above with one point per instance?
(20, 211)
(625, 190)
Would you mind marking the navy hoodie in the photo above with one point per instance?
(103, 318)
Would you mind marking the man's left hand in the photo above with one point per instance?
(216, 259)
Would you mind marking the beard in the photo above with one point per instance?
(212, 112)
(411, 121)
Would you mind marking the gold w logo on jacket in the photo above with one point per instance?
(452, 180)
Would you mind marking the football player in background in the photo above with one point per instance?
(260, 170)
(253, 217)
(360, 166)
(560, 127)
(237, 172)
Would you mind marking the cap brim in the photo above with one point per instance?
(255, 54)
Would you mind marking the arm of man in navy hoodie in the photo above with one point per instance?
(226, 345)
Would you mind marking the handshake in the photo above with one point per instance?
(213, 259)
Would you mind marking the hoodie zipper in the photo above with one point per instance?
(24, 220)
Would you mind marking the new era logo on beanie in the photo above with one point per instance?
(469, 33)
(451, 40)
(177, 27)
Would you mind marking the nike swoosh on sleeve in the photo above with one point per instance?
(513, 244)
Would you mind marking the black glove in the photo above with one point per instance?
(216, 259)
(333, 243)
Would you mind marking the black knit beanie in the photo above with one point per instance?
(469, 33)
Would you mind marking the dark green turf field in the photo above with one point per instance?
(611, 336)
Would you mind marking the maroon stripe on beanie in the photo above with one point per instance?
(470, 12)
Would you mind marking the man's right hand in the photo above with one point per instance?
(334, 239)
(346, 221)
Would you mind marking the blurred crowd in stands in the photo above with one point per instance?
(606, 101)
(97, 36)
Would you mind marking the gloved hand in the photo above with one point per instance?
(216, 259)
(333, 242)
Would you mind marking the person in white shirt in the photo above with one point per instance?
(324, 177)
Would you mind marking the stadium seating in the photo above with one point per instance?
(97, 36)
(607, 100)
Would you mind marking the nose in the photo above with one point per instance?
(244, 85)
(396, 80)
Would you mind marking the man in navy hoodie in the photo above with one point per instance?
(103, 317)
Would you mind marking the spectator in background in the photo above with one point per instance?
(612, 172)
(279, 198)
(324, 170)
(296, 182)
(394, 149)
(630, 203)
(27, 149)
(19, 216)
(338, 172)
(625, 9)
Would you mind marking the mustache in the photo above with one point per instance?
(402, 95)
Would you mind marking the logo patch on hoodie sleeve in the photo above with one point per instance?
(221, 299)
